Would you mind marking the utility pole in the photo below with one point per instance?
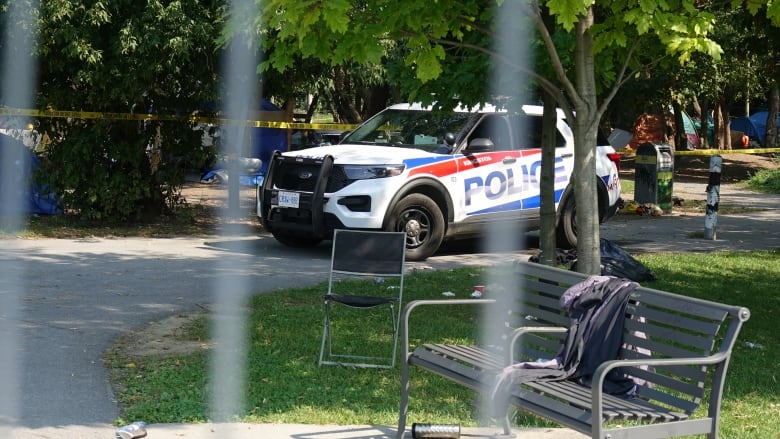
(713, 197)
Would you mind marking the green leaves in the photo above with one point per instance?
(124, 56)
(568, 12)
(424, 58)
(335, 15)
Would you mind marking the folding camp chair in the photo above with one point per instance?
(366, 273)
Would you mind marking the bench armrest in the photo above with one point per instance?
(601, 372)
(404, 329)
(519, 332)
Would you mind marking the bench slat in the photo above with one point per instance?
(662, 348)
(432, 360)
(472, 355)
(541, 317)
(681, 378)
(696, 342)
(549, 274)
(551, 291)
(614, 407)
(536, 347)
(682, 304)
(662, 397)
(684, 372)
(677, 317)
(529, 399)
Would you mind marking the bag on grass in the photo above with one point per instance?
(619, 263)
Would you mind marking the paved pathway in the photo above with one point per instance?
(755, 227)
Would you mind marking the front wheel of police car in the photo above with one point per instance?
(421, 219)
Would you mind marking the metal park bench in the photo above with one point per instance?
(676, 347)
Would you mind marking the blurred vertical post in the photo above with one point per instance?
(713, 197)
(547, 238)
(231, 289)
(18, 82)
(509, 87)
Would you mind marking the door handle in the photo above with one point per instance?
(509, 160)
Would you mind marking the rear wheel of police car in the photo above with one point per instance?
(566, 232)
(421, 219)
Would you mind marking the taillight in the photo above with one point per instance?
(615, 158)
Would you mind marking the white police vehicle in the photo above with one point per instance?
(434, 175)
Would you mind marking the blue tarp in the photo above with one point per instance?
(22, 162)
(754, 126)
(264, 141)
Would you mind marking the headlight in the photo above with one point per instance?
(365, 172)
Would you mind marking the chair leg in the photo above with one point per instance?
(325, 333)
(403, 407)
(395, 335)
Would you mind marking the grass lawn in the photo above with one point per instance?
(285, 384)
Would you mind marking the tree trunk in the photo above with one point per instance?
(696, 107)
(341, 98)
(680, 139)
(722, 130)
(375, 99)
(312, 107)
(585, 138)
(547, 210)
(771, 122)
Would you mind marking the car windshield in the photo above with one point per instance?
(408, 129)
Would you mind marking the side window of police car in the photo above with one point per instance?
(528, 130)
(494, 128)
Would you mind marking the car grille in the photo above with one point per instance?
(288, 177)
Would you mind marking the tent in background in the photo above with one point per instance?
(754, 126)
(34, 198)
(690, 132)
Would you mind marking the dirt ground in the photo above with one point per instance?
(164, 338)
(696, 168)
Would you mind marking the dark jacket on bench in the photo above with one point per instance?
(596, 307)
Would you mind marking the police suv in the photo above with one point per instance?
(433, 175)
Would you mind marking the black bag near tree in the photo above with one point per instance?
(614, 262)
(619, 263)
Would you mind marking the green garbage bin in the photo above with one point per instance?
(653, 175)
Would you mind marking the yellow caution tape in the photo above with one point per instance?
(728, 151)
(282, 125)
(716, 151)
(192, 119)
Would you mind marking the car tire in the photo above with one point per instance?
(295, 241)
(566, 232)
(421, 219)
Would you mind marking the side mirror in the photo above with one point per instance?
(449, 139)
(480, 144)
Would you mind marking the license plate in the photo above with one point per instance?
(289, 199)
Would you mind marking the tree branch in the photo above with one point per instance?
(555, 60)
(622, 77)
(546, 84)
